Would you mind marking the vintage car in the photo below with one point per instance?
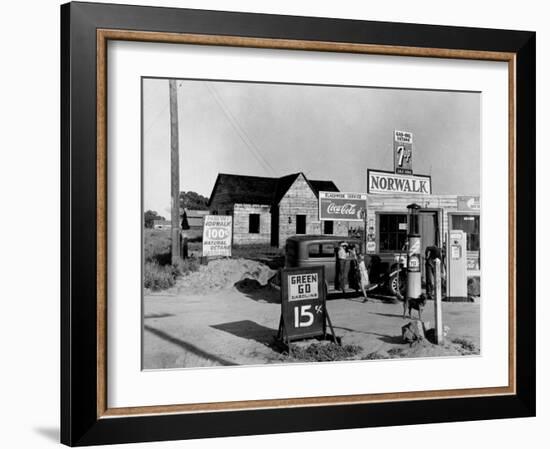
(386, 272)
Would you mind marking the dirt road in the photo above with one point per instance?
(236, 326)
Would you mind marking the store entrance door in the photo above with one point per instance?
(428, 229)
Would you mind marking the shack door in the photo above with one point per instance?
(428, 230)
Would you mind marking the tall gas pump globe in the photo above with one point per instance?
(414, 274)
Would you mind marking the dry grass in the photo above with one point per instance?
(159, 273)
(324, 352)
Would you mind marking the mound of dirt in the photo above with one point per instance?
(223, 274)
(423, 348)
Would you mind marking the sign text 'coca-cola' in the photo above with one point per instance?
(346, 206)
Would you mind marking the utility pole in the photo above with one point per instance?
(174, 171)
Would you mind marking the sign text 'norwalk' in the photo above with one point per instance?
(383, 182)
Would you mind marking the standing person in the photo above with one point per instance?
(353, 278)
(363, 276)
(432, 253)
(184, 237)
(342, 266)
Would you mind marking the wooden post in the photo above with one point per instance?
(174, 171)
(365, 229)
(437, 303)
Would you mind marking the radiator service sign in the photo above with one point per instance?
(342, 206)
(389, 182)
(216, 235)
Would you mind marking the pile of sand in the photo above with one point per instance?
(423, 348)
(222, 274)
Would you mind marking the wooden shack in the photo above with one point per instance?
(269, 210)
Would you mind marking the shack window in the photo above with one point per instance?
(393, 231)
(328, 227)
(321, 250)
(300, 224)
(254, 224)
(470, 225)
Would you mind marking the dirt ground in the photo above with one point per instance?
(235, 323)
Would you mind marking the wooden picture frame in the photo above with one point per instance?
(86, 29)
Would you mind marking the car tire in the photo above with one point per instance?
(392, 284)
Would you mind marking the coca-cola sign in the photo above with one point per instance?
(344, 206)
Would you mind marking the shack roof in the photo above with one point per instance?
(262, 190)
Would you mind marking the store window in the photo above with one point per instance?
(300, 224)
(328, 227)
(254, 224)
(392, 231)
(470, 225)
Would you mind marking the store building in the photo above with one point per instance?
(269, 210)
(387, 219)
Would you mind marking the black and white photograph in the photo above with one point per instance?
(295, 223)
(274, 224)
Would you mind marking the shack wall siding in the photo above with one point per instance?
(301, 200)
(241, 213)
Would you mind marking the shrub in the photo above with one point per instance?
(328, 352)
(466, 346)
(159, 273)
(157, 246)
(158, 277)
(186, 266)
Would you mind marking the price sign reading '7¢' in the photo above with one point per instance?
(303, 302)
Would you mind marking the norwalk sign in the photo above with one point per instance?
(389, 182)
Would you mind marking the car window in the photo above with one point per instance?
(321, 250)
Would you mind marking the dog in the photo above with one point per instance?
(414, 303)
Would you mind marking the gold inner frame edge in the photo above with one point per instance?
(104, 35)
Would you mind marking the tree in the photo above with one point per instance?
(192, 200)
(149, 218)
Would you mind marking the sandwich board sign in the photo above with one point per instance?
(303, 304)
(217, 235)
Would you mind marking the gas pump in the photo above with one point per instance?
(414, 274)
(457, 275)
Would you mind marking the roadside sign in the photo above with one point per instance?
(348, 206)
(402, 152)
(467, 203)
(303, 304)
(379, 181)
(216, 235)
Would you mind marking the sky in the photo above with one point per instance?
(327, 132)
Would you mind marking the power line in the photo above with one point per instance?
(156, 118)
(160, 112)
(240, 130)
